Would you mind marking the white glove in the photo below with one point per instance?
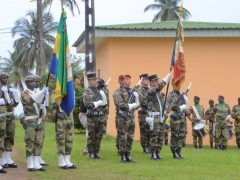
(167, 78)
(136, 98)
(45, 90)
(47, 94)
(4, 89)
(104, 98)
(228, 117)
(186, 99)
(2, 101)
(203, 121)
(42, 106)
(13, 90)
(132, 106)
(98, 103)
(183, 107)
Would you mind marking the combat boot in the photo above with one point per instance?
(175, 155)
(238, 146)
(166, 142)
(183, 145)
(179, 153)
(211, 145)
(123, 158)
(200, 146)
(96, 155)
(195, 146)
(145, 150)
(223, 147)
(128, 157)
(218, 147)
(154, 156)
(91, 156)
(158, 154)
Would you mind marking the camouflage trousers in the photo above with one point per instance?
(211, 133)
(157, 135)
(117, 137)
(64, 135)
(237, 133)
(105, 118)
(95, 126)
(33, 137)
(10, 133)
(221, 134)
(125, 133)
(186, 131)
(197, 138)
(2, 134)
(144, 131)
(178, 132)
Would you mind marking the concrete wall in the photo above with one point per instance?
(212, 66)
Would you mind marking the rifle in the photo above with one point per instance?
(124, 114)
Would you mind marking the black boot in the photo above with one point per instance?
(154, 156)
(211, 145)
(166, 142)
(158, 154)
(123, 158)
(175, 155)
(91, 156)
(183, 145)
(238, 146)
(179, 153)
(96, 155)
(195, 146)
(223, 148)
(218, 147)
(3, 171)
(145, 150)
(128, 157)
(200, 146)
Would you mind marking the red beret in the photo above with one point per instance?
(124, 76)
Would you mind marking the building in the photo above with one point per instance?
(210, 50)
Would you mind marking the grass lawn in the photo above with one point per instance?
(198, 164)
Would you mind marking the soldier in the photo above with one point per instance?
(197, 111)
(126, 101)
(33, 125)
(211, 119)
(177, 120)
(36, 89)
(64, 137)
(155, 105)
(142, 114)
(236, 115)
(4, 102)
(10, 123)
(95, 101)
(222, 112)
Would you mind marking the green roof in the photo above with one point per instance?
(173, 25)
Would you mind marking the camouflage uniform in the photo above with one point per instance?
(95, 124)
(142, 114)
(196, 135)
(157, 135)
(178, 130)
(184, 140)
(106, 111)
(211, 124)
(221, 111)
(33, 130)
(236, 115)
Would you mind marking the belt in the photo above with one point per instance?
(10, 113)
(30, 117)
(96, 113)
(3, 114)
(129, 113)
(154, 113)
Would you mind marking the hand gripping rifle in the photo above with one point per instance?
(180, 102)
(130, 99)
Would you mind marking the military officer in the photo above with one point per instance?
(10, 123)
(177, 120)
(223, 113)
(236, 115)
(155, 106)
(143, 113)
(211, 119)
(33, 125)
(197, 112)
(4, 102)
(126, 101)
(95, 101)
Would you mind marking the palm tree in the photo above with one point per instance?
(11, 65)
(70, 4)
(26, 47)
(168, 10)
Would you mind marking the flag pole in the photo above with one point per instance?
(164, 105)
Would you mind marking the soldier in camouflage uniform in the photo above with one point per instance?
(143, 113)
(125, 108)
(185, 127)
(222, 112)
(33, 125)
(211, 119)
(64, 137)
(200, 110)
(155, 106)
(4, 102)
(10, 123)
(177, 122)
(236, 115)
(95, 101)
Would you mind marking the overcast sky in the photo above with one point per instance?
(112, 12)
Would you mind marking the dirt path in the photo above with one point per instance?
(20, 173)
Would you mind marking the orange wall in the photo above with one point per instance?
(212, 65)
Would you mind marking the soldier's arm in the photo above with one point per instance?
(26, 98)
(87, 100)
(188, 113)
(142, 98)
(153, 90)
(170, 102)
(234, 113)
(119, 101)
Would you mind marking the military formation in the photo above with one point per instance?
(157, 117)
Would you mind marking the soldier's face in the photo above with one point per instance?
(37, 84)
(211, 103)
(92, 82)
(154, 83)
(31, 84)
(196, 101)
(4, 80)
(145, 82)
(220, 99)
(126, 82)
